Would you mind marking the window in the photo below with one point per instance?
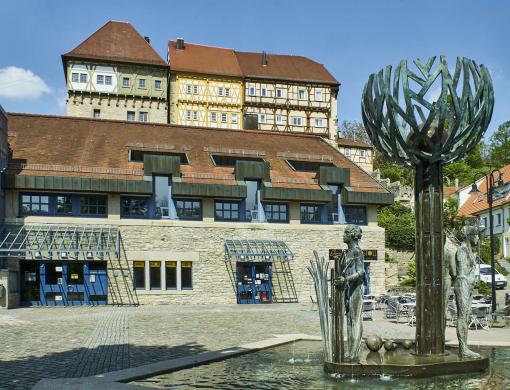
(108, 80)
(162, 196)
(171, 275)
(99, 79)
(297, 121)
(157, 84)
(93, 205)
(186, 275)
(35, 204)
(227, 91)
(195, 115)
(310, 213)
(262, 118)
(362, 153)
(234, 118)
(220, 91)
(130, 115)
(252, 200)
(188, 115)
(226, 211)
(188, 88)
(319, 122)
(318, 96)
(134, 207)
(83, 77)
(279, 120)
(308, 166)
(137, 155)
(139, 275)
(96, 113)
(301, 94)
(213, 116)
(498, 219)
(195, 90)
(125, 82)
(155, 275)
(276, 212)
(64, 205)
(223, 117)
(188, 208)
(75, 77)
(279, 93)
(141, 83)
(263, 91)
(485, 223)
(230, 161)
(251, 91)
(356, 215)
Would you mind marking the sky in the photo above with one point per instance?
(351, 38)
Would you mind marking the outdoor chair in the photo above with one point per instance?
(368, 310)
(480, 317)
(391, 310)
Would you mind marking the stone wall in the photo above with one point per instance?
(204, 246)
(116, 107)
(402, 259)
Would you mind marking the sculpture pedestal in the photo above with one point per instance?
(405, 363)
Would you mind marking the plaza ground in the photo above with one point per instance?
(39, 343)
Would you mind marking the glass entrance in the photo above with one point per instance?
(30, 283)
(254, 283)
(75, 287)
(52, 283)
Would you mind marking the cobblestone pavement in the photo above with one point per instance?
(38, 343)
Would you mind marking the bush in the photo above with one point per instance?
(483, 288)
(399, 223)
(410, 275)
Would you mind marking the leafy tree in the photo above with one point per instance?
(389, 170)
(499, 148)
(354, 130)
(399, 223)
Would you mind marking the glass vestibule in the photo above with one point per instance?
(254, 282)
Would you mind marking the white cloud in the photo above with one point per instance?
(61, 98)
(21, 84)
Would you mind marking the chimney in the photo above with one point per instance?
(456, 183)
(179, 43)
(147, 39)
(264, 58)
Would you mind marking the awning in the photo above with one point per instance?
(60, 242)
(257, 250)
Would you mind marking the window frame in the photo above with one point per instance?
(318, 93)
(192, 200)
(311, 222)
(63, 214)
(156, 85)
(263, 91)
(276, 220)
(98, 78)
(96, 111)
(317, 121)
(144, 82)
(301, 90)
(128, 114)
(124, 83)
(346, 209)
(279, 93)
(106, 78)
(229, 202)
(88, 196)
(31, 202)
(224, 117)
(264, 116)
(191, 275)
(156, 288)
(252, 91)
(135, 267)
(84, 78)
(213, 117)
(294, 118)
(73, 74)
(234, 118)
(147, 214)
(143, 115)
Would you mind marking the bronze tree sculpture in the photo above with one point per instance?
(416, 132)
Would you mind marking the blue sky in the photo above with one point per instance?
(351, 38)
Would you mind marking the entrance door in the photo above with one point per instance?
(367, 278)
(96, 282)
(30, 283)
(75, 288)
(254, 283)
(52, 290)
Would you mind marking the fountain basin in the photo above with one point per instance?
(404, 363)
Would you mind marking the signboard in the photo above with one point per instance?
(368, 254)
(171, 264)
(74, 276)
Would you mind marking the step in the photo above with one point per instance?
(505, 264)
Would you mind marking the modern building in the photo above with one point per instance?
(206, 86)
(359, 152)
(104, 211)
(116, 74)
(476, 206)
(219, 87)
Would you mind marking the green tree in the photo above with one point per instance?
(389, 170)
(499, 148)
(399, 223)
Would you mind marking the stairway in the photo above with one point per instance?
(505, 264)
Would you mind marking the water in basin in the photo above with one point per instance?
(299, 366)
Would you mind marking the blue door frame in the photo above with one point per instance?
(254, 283)
(64, 283)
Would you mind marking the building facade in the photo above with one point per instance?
(476, 206)
(175, 214)
(359, 152)
(219, 87)
(116, 74)
(206, 87)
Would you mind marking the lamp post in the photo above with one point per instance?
(481, 228)
(490, 185)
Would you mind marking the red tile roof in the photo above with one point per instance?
(476, 204)
(203, 59)
(285, 67)
(70, 146)
(117, 41)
